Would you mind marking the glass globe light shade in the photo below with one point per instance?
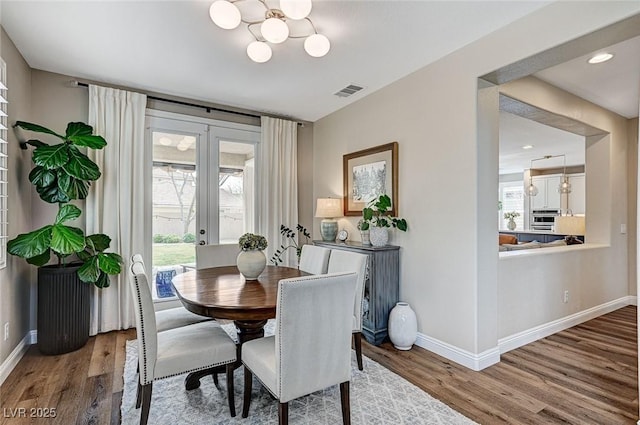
(182, 147)
(532, 190)
(165, 141)
(564, 187)
(296, 9)
(317, 45)
(225, 14)
(259, 51)
(274, 30)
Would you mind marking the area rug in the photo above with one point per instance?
(378, 396)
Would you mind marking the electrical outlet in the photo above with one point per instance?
(566, 296)
(6, 331)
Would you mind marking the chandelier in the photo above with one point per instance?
(563, 188)
(271, 25)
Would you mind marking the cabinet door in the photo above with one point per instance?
(577, 197)
(539, 201)
(553, 197)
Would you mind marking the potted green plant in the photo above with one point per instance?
(63, 173)
(376, 219)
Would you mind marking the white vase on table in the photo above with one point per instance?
(251, 263)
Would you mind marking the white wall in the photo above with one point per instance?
(445, 180)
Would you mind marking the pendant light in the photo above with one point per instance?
(532, 190)
(564, 186)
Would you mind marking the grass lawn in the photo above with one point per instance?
(170, 254)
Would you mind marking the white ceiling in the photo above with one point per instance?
(516, 132)
(172, 47)
(614, 85)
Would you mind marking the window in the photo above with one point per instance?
(4, 163)
(511, 197)
(191, 203)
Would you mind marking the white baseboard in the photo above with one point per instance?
(7, 366)
(465, 358)
(492, 356)
(530, 335)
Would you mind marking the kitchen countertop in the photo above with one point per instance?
(532, 232)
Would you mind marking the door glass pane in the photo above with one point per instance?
(236, 192)
(173, 208)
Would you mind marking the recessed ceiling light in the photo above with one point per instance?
(600, 57)
(527, 147)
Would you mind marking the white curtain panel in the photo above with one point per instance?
(278, 183)
(116, 201)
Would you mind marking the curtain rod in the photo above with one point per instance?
(179, 102)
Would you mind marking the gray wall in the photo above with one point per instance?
(445, 174)
(16, 280)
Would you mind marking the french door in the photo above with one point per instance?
(202, 191)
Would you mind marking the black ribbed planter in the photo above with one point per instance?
(63, 310)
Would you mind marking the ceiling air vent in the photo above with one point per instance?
(348, 91)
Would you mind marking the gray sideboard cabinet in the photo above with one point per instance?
(381, 285)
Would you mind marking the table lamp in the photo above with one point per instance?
(328, 209)
(570, 225)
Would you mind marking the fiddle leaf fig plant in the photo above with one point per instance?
(63, 173)
(376, 214)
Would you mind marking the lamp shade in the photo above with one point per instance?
(572, 225)
(317, 45)
(259, 51)
(225, 14)
(328, 208)
(296, 9)
(274, 30)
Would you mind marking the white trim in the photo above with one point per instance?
(16, 355)
(465, 358)
(492, 356)
(530, 335)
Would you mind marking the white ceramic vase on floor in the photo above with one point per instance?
(403, 326)
(251, 263)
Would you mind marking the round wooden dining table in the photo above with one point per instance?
(224, 293)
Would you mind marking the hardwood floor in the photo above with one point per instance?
(585, 375)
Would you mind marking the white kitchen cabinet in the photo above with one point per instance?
(577, 199)
(548, 196)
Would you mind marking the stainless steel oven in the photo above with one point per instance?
(543, 219)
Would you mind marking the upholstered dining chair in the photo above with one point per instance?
(314, 259)
(216, 255)
(173, 317)
(173, 352)
(290, 364)
(345, 261)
